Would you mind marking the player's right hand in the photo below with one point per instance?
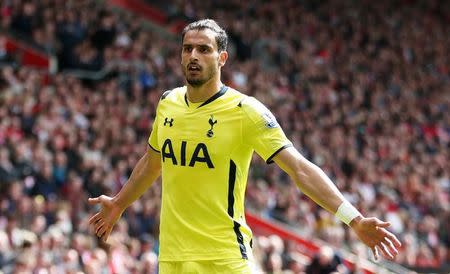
(104, 220)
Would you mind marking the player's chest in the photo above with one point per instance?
(201, 125)
(200, 132)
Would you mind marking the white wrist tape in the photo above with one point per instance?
(346, 212)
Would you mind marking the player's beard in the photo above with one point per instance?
(198, 81)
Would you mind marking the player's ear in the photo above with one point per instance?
(223, 57)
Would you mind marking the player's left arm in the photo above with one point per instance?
(315, 184)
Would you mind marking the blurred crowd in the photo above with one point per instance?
(362, 90)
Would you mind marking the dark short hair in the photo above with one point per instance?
(221, 35)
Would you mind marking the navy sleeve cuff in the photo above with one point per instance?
(153, 148)
(270, 159)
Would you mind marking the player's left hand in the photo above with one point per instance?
(373, 233)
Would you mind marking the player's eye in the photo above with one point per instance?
(204, 49)
(187, 48)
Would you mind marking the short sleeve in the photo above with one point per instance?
(261, 130)
(153, 138)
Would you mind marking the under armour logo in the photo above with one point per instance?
(167, 121)
(211, 122)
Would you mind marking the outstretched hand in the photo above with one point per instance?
(104, 220)
(373, 233)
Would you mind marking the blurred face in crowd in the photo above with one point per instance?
(200, 59)
(325, 255)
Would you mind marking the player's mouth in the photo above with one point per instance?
(194, 67)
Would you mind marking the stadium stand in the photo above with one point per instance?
(362, 88)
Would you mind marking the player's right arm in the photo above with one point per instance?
(146, 171)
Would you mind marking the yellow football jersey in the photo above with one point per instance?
(206, 149)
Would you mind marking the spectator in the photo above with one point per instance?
(8, 172)
(326, 261)
(6, 58)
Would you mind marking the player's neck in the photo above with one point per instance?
(203, 92)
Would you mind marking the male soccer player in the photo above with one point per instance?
(201, 143)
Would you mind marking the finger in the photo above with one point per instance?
(380, 223)
(102, 231)
(393, 239)
(392, 249)
(94, 201)
(375, 253)
(106, 235)
(98, 226)
(95, 218)
(384, 251)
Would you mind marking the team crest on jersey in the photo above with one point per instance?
(211, 122)
(271, 122)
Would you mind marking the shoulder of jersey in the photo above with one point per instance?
(258, 112)
(251, 105)
(236, 96)
(171, 94)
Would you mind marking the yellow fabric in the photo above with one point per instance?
(233, 266)
(205, 153)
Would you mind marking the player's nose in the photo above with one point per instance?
(194, 55)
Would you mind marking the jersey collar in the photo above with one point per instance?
(218, 94)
